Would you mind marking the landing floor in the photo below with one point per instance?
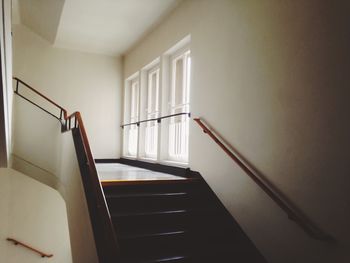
(116, 172)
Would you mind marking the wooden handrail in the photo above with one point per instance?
(16, 242)
(293, 213)
(104, 234)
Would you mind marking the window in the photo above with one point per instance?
(152, 112)
(160, 88)
(179, 103)
(131, 132)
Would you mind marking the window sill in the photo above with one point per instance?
(164, 162)
(174, 163)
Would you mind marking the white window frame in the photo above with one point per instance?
(163, 66)
(151, 128)
(131, 115)
(178, 138)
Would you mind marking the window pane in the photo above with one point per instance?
(151, 139)
(179, 79)
(131, 138)
(151, 128)
(153, 92)
(180, 99)
(188, 79)
(134, 103)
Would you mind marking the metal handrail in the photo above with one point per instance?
(156, 119)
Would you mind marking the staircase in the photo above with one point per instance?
(175, 221)
(163, 220)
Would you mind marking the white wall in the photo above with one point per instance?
(77, 81)
(271, 77)
(37, 139)
(71, 188)
(34, 214)
(54, 163)
(6, 72)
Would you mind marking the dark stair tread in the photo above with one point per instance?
(149, 213)
(153, 234)
(141, 195)
(171, 259)
(116, 183)
(163, 187)
(195, 230)
(198, 254)
(180, 221)
(193, 211)
(161, 221)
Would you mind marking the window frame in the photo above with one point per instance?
(147, 110)
(129, 117)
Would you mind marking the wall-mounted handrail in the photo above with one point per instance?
(18, 81)
(104, 234)
(156, 119)
(293, 213)
(16, 242)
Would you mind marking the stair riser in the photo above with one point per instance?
(158, 203)
(169, 222)
(146, 216)
(183, 242)
(152, 188)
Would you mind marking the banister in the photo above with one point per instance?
(103, 233)
(158, 119)
(293, 213)
(16, 242)
(40, 94)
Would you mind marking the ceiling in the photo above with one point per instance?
(98, 26)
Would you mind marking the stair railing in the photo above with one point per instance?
(16, 242)
(103, 229)
(293, 213)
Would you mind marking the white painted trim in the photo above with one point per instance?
(183, 43)
(163, 65)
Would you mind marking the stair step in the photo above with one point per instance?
(143, 195)
(150, 235)
(189, 252)
(171, 259)
(175, 222)
(148, 213)
(167, 221)
(187, 237)
(159, 187)
(156, 202)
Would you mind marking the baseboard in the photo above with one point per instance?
(35, 172)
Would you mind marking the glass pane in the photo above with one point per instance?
(151, 139)
(179, 80)
(180, 99)
(154, 92)
(188, 78)
(178, 139)
(134, 101)
(132, 140)
(156, 104)
(153, 89)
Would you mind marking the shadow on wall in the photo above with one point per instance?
(46, 155)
